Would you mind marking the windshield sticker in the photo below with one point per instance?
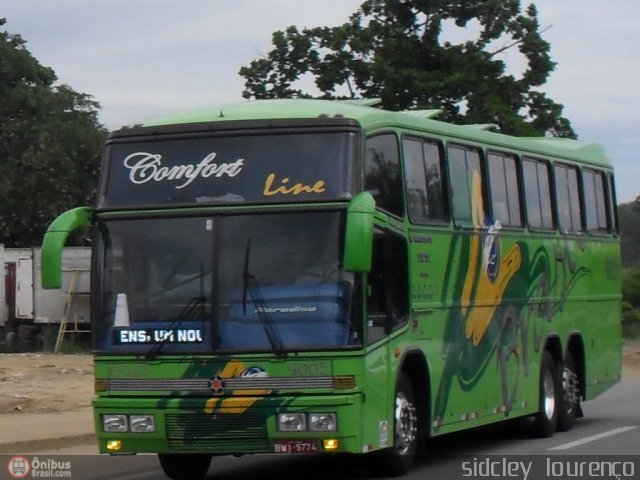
(296, 189)
(145, 167)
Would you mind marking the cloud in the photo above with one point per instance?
(145, 58)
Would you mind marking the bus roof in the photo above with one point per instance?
(372, 118)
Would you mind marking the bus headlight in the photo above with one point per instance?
(292, 422)
(142, 423)
(115, 423)
(323, 422)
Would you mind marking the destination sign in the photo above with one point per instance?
(150, 336)
(229, 169)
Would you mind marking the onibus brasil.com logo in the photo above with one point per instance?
(21, 467)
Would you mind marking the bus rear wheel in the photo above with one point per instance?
(546, 420)
(185, 466)
(570, 403)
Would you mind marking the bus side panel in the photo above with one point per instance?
(502, 297)
(599, 320)
(476, 328)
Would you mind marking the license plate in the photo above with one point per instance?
(295, 446)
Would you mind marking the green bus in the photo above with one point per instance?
(313, 276)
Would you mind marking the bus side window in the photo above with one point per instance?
(504, 185)
(382, 176)
(538, 194)
(594, 201)
(387, 286)
(568, 199)
(424, 181)
(465, 175)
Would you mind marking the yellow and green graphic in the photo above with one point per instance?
(502, 294)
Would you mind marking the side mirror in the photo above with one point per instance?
(53, 243)
(358, 241)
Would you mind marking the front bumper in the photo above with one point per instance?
(229, 425)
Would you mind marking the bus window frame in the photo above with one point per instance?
(483, 183)
(596, 232)
(444, 180)
(519, 182)
(577, 169)
(363, 167)
(552, 194)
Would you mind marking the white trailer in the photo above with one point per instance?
(27, 307)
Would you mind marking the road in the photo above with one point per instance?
(611, 426)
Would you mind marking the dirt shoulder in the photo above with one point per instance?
(41, 383)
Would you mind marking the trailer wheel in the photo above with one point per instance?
(185, 466)
(11, 342)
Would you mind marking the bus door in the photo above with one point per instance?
(387, 310)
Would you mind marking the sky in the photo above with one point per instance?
(142, 59)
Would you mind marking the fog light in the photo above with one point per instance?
(115, 423)
(292, 422)
(142, 423)
(100, 385)
(322, 422)
(331, 444)
(114, 445)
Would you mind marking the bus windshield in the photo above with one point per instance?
(217, 169)
(241, 283)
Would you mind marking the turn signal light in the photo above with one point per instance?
(330, 444)
(344, 381)
(114, 445)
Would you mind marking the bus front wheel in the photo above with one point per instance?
(397, 460)
(546, 420)
(185, 466)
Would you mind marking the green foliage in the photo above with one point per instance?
(630, 321)
(631, 301)
(50, 145)
(394, 50)
(629, 218)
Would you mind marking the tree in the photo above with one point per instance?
(631, 301)
(396, 50)
(629, 219)
(50, 145)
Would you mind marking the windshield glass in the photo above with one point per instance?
(268, 282)
(228, 169)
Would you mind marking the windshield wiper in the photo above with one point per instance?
(186, 312)
(250, 285)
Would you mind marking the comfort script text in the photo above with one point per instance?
(145, 167)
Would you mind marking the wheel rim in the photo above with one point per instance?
(406, 424)
(549, 395)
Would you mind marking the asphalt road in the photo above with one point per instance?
(611, 426)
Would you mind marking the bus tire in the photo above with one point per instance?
(550, 388)
(185, 466)
(397, 460)
(570, 402)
